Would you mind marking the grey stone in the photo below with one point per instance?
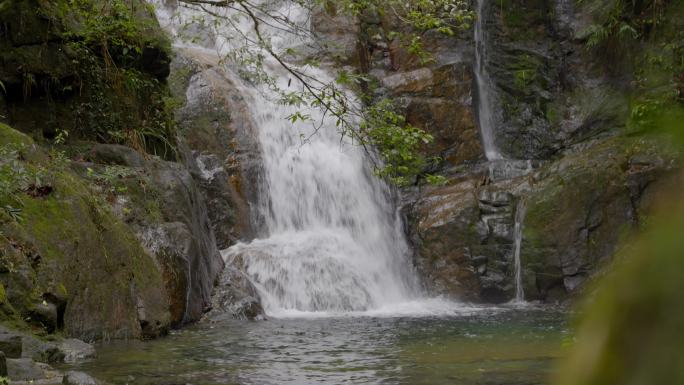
(41, 351)
(236, 296)
(25, 369)
(79, 378)
(496, 198)
(115, 154)
(76, 350)
(11, 345)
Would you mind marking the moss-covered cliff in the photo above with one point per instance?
(105, 231)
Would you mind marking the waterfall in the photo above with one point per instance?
(517, 265)
(333, 240)
(483, 83)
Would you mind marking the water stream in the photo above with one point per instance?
(518, 236)
(485, 109)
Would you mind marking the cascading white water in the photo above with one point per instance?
(334, 240)
(517, 264)
(483, 83)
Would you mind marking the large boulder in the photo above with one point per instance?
(72, 264)
(222, 150)
(583, 207)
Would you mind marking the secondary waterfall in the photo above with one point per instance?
(517, 265)
(333, 239)
(483, 83)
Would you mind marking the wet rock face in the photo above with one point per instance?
(236, 296)
(191, 236)
(464, 238)
(172, 222)
(436, 98)
(339, 34)
(553, 106)
(223, 154)
(547, 90)
(222, 151)
(576, 212)
(581, 210)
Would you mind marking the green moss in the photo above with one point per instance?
(9, 135)
(582, 209)
(83, 73)
(630, 332)
(68, 242)
(520, 17)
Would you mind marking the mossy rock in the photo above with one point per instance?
(93, 75)
(67, 248)
(9, 135)
(630, 329)
(583, 208)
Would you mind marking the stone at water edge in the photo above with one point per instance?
(76, 350)
(78, 378)
(25, 369)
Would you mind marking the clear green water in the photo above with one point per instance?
(488, 347)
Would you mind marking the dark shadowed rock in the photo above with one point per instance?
(11, 345)
(115, 154)
(156, 61)
(44, 314)
(183, 203)
(3, 364)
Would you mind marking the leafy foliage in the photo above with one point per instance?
(621, 21)
(397, 142)
(648, 36)
(19, 178)
(117, 101)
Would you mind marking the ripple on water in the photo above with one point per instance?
(502, 346)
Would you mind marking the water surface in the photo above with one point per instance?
(483, 347)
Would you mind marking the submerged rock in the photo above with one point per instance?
(236, 295)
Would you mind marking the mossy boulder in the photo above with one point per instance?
(583, 207)
(66, 251)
